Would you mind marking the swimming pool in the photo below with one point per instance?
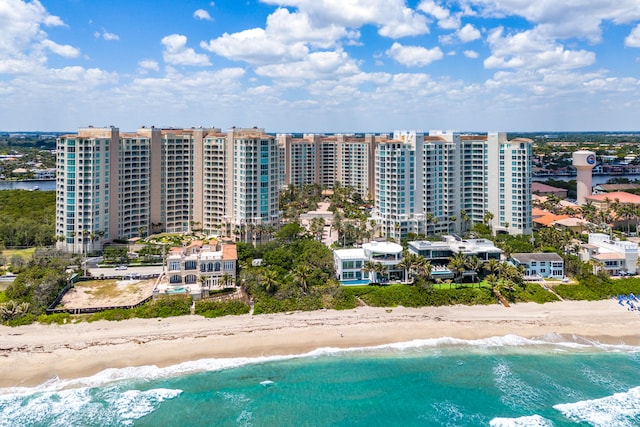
(355, 282)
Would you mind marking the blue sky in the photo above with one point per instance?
(321, 65)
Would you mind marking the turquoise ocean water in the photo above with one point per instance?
(501, 381)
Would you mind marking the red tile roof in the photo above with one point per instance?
(619, 196)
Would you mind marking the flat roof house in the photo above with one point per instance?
(350, 263)
(617, 257)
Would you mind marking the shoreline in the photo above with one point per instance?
(30, 355)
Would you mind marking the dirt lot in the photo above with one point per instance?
(107, 293)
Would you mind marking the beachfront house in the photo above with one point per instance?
(538, 266)
(617, 257)
(351, 265)
(197, 267)
(438, 253)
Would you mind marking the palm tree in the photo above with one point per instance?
(453, 219)
(203, 280)
(301, 275)
(421, 267)
(487, 218)
(465, 219)
(589, 211)
(270, 281)
(552, 204)
(405, 264)
(492, 266)
(493, 281)
(513, 274)
(370, 267)
(317, 227)
(225, 280)
(12, 310)
(434, 221)
(474, 264)
(457, 264)
(429, 218)
(627, 212)
(380, 270)
(373, 224)
(414, 265)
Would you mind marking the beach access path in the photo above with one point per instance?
(32, 354)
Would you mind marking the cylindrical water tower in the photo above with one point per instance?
(583, 161)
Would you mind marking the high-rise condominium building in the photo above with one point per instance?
(394, 188)
(459, 180)
(255, 183)
(86, 178)
(330, 159)
(121, 185)
(113, 185)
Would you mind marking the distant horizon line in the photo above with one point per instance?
(540, 132)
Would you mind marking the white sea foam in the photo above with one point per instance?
(528, 421)
(245, 419)
(507, 343)
(601, 378)
(81, 406)
(515, 392)
(451, 412)
(619, 409)
(552, 341)
(134, 404)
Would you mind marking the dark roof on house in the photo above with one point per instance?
(537, 256)
(618, 187)
(544, 188)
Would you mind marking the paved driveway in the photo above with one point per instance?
(111, 271)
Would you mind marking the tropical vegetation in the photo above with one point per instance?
(27, 218)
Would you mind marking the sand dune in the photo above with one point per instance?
(31, 354)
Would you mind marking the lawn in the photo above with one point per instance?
(26, 254)
(483, 284)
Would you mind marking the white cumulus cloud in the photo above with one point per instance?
(392, 17)
(468, 33)
(176, 52)
(414, 56)
(66, 50)
(202, 15)
(149, 64)
(633, 39)
(255, 47)
(564, 19)
(446, 19)
(106, 35)
(532, 50)
(471, 54)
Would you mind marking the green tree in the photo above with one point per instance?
(301, 276)
(289, 233)
(458, 265)
(12, 310)
(269, 281)
(474, 264)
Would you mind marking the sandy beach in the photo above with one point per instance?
(30, 355)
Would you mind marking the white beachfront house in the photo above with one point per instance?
(439, 252)
(617, 257)
(349, 263)
(540, 265)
